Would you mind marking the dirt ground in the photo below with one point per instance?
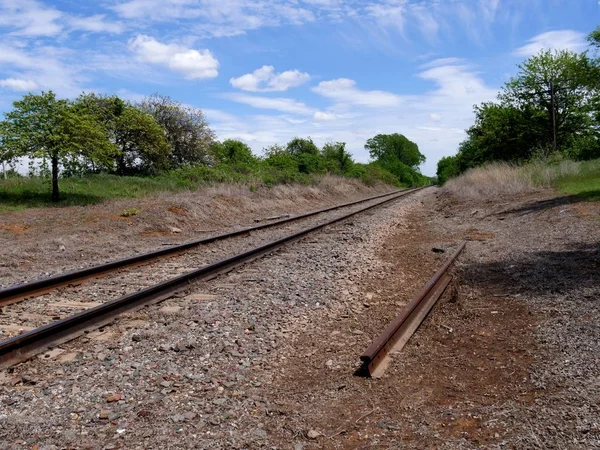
(493, 365)
(508, 360)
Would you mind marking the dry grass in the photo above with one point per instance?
(230, 204)
(489, 182)
(498, 179)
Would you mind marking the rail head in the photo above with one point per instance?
(383, 344)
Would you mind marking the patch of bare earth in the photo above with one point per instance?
(510, 360)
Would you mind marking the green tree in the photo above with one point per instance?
(337, 159)
(141, 143)
(143, 148)
(594, 38)
(561, 83)
(390, 147)
(231, 151)
(397, 155)
(42, 126)
(447, 167)
(185, 127)
(299, 146)
(503, 132)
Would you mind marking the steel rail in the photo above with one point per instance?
(400, 330)
(22, 347)
(15, 293)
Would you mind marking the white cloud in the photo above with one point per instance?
(18, 85)
(266, 80)
(217, 18)
(191, 63)
(30, 18)
(435, 117)
(321, 116)
(96, 24)
(344, 91)
(553, 40)
(441, 62)
(287, 105)
(48, 67)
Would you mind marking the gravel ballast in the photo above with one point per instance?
(265, 356)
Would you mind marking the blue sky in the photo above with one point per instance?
(266, 71)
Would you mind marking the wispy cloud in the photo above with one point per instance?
(217, 18)
(33, 19)
(97, 23)
(553, 40)
(47, 66)
(345, 92)
(287, 105)
(16, 84)
(30, 18)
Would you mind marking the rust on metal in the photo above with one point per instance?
(397, 333)
(18, 292)
(22, 347)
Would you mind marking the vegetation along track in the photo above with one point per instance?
(33, 341)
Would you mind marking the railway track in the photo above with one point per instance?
(21, 291)
(64, 328)
(375, 358)
(78, 290)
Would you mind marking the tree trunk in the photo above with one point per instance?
(55, 194)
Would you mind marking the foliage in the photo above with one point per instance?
(584, 184)
(130, 212)
(299, 146)
(41, 126)
(399, 156)
(552, 105)
(559, 83)
(142, 144)
(232, 151)
(389, 148)
(447, 168)
(96, 137)
(185, 128)
(140, 140)
(337, 159)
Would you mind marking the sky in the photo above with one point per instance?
(265, 71)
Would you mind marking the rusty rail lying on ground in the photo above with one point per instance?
(22, 347)
(15, 293)
(396, 335)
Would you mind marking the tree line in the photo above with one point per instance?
(106, 134)
(550, 108)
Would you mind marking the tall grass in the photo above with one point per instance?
(499, 179)
(18, 193)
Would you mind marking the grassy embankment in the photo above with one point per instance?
(578, 179)
(18, 193)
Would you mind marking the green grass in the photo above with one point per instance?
(585, 184)
(18, 193)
